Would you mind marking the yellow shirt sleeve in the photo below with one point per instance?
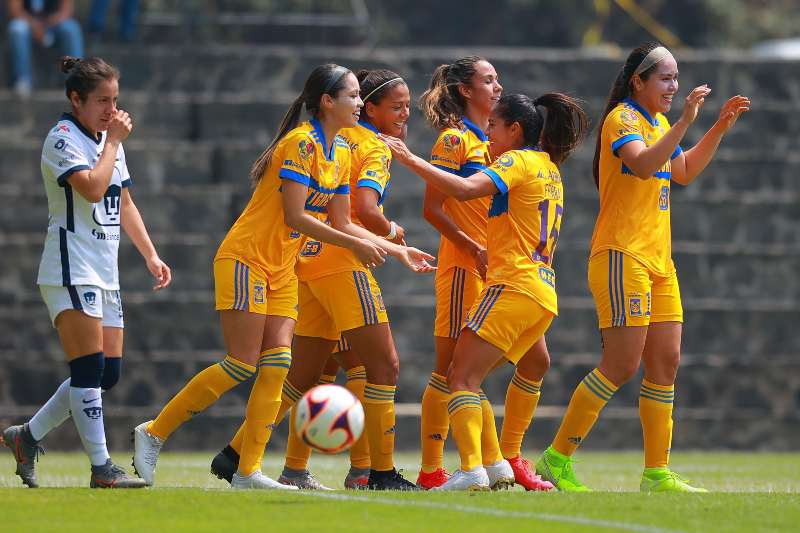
(622, 126)
(374, 172)
(448, 150)
(506, 172)
(298, 154)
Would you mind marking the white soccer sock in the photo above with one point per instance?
(52, 414)
(87, 412)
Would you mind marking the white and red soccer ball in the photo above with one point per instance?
(329, 418)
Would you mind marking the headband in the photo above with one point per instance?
(656, 54)
(338, 72)
(381, 86)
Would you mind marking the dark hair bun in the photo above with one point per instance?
(68, 63)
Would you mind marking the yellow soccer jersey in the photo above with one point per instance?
(260, 237)
(369, 167)
(462, 152)
(524, 222)
(634, 213)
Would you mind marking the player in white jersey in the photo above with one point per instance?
(86, 180)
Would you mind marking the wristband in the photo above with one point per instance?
(392, 231)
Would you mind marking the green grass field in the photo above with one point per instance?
(751, 492)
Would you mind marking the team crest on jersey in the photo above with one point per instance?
(306, 149)
(635, 306)
(90, 298)
(60, 144)
(258, 293)
(663, 198)
(629, 118)
(385, 164)
(451, 141)
(505, 161)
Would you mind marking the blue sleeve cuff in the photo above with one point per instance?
(497, 180)
(678, 151)
(127, 183)
(62, 179)
(371, 184)
(292, 175)
(472, 167)
(616, 145)
(447, 169)
(342, 189)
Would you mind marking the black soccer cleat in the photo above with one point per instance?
(225, 464)
(389, 480)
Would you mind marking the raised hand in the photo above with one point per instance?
(694, 101)
(120, 126)
(399, 149)
(731, 111)
(417, 260)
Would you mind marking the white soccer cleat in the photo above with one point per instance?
(501, 475)
(257, 480)
(146, 448)
(475, 479)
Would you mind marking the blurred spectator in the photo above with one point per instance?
(128, 11)
(43, 21)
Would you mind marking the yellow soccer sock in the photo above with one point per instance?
(203, 390)
(297, 451)
(466, 421)
(655, 411)
(490, 446)
(379, 424)
(522, 397)
(262, 406)
(435, 422)
(587, 401)
(359, 452)
(289, 397)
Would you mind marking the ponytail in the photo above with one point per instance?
(443, 104)
(620, 90)
(558, 133)
(325, 79)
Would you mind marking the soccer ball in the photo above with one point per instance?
(329, 418)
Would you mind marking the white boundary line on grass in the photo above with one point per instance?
(493, 511)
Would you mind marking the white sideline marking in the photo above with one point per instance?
(591, 522)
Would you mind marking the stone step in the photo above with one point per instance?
(280, 68)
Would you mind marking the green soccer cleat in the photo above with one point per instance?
(665, 480)
(557, 469)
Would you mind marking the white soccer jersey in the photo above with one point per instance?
(82, 237)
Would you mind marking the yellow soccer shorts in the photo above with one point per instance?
(339, 302)
(456, 291)
(626, 293)
(509, 320)
(243, 287)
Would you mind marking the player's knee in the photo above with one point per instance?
(86, 371)
(620, 372)
(111, 373)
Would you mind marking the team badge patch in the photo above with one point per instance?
(547, 275)
(635, 306)
(258, 293)
(663, 198)
(505, 161)
(385, 164)
(311, 248)
(306, 148)
(450, 142)
(90, 298)
(629, 118)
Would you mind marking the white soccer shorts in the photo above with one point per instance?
(92, 300)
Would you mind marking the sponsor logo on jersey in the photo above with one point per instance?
(63, 127)
(311, 249)
(305, 148)
(505, 161)
(258, 293)
(385, 164)
(94, 413)
(547, 275)
(443, 159)
(90, 298)
(61, 144)
(450, 141)
(294, 235)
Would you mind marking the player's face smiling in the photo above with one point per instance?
(656, 93)
(346, 107)
(100, 106)
(484, 89)
(390, 115)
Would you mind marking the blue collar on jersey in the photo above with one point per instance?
(534, 148)
(474, 129)
(321, 138)
(634, 104)
(368, 126)
(71, 118)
